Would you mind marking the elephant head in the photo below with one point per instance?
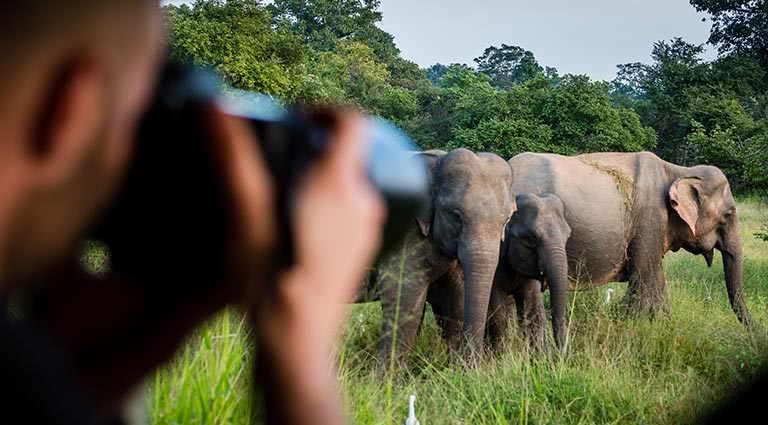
(471, 202)
(535, 249)
(703, 217)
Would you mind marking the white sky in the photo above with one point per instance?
(575, 36)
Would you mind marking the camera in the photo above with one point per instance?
(169, 219)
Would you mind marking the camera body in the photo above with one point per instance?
(169, 220)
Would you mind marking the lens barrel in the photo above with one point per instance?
(170, 217)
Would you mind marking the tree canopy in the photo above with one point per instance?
(682, 107)
(706, 112)
(738, 26)
(508, 65)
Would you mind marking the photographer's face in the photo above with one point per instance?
(85, 135)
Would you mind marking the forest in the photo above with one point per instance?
(685, 109)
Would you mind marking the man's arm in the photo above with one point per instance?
(337, 225)
(294, 358)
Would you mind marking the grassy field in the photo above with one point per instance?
(668, 370)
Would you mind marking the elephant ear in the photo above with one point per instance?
(512, 209)
(684, 198)
(427, 212)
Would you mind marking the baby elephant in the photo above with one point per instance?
(532, 259)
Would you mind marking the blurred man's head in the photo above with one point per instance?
(74, 77)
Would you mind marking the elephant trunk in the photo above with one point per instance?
(479, 259)
(554, 264)
(731, 249)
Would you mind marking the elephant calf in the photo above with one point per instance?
(533, 257)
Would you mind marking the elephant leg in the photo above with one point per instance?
(501, 314)
(647, 294)
(531, 316)
(369, 290)
(501, 309)
(401, 319)
(446, 296)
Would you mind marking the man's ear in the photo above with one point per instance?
(70, 117)
(684, 199)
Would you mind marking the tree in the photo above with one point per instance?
(568, 116)
(237, 39)
(509, 65)
(739, 27)
(711, 113)
(436, 72)
(406, 74)
(657, 91)
(583, 119)
(350, 74)
(324, 23)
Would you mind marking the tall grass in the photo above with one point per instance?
(617, 370)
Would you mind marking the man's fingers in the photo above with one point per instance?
(246, 178)
(348, 149)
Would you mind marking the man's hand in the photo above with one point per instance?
(337, 229)
(337, 224)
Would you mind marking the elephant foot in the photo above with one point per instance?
(470, 355)
(648, 304)
(537, 340)
(389, 362)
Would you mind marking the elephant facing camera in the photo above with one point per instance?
(169, 220)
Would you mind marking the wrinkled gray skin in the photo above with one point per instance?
(418, 273)
(627, 210)
(533, 257)
(458, 235)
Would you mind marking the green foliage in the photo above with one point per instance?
(349, 73)
(331, 51)
(435, 73)
(704, 113)
(738, 26)
(658, 91)
(237, 39)
(583, 119)
(324, 23)
(508, 65)
(574, 115)
(94, 257)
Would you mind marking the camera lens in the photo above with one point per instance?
(171, 211)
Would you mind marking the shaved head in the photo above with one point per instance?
(35, 30)
(76, 76)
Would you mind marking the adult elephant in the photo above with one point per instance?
(450, 259)
(627, 210)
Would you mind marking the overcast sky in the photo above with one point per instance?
(575, 36)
